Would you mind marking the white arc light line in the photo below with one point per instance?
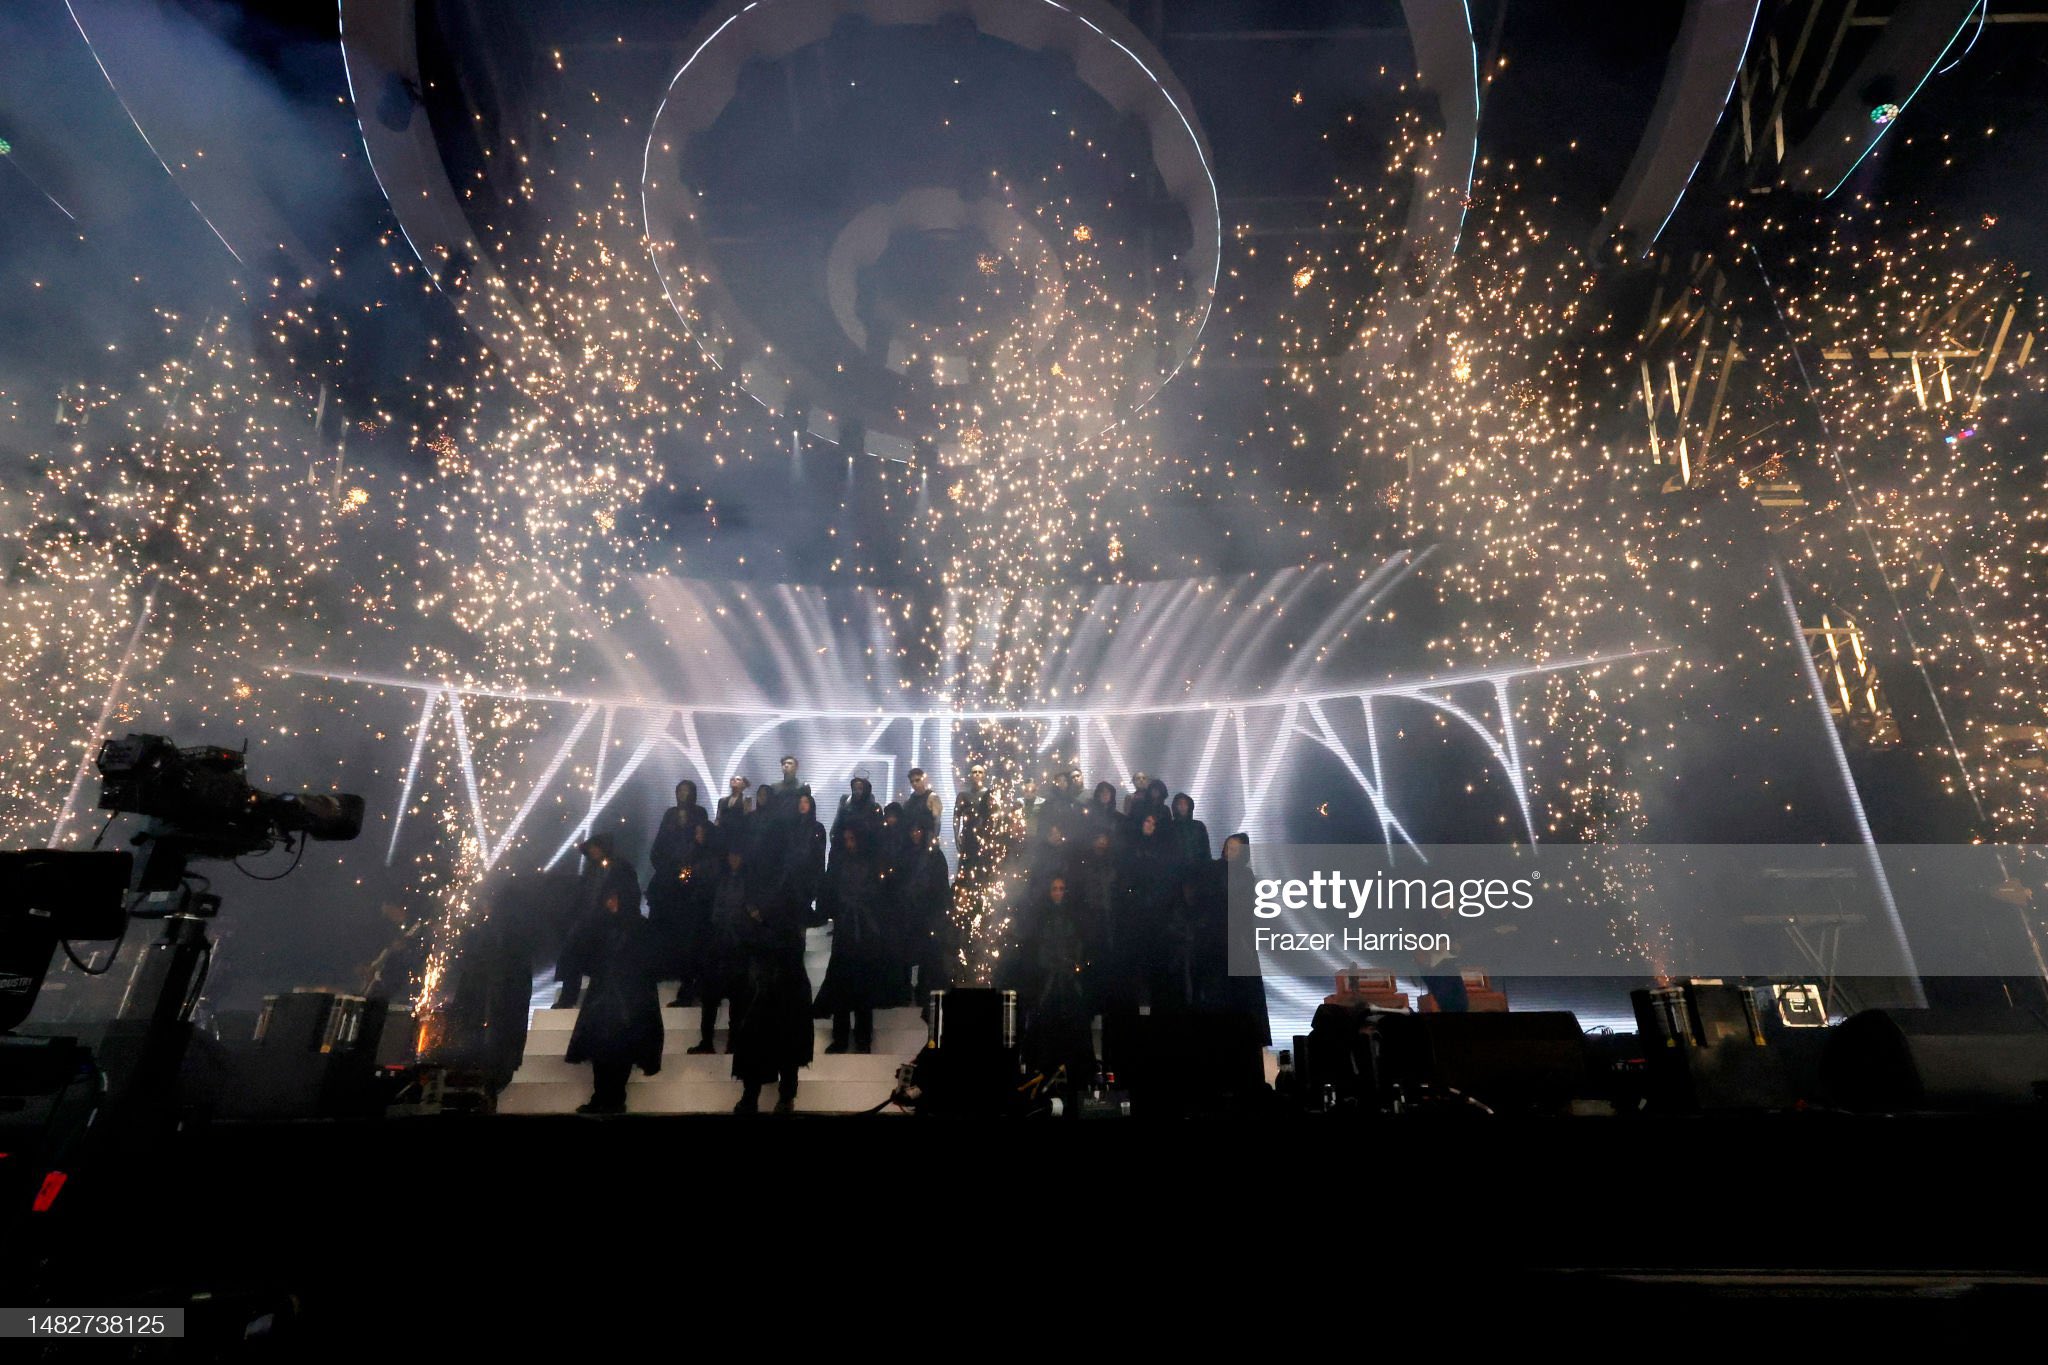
(122, 100)
(1886, 127)
(1710, 136)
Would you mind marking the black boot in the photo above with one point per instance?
(703, 1048)
(609, 1096)
(750, 1099)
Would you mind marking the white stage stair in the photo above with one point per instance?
(845, 1083)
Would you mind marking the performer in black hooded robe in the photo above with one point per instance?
(1148, 888)
(1030, 806)
(1070, 803)
(857, 807)
(679, 817)
(604, 873)
(893, 832)
(1228, 1025)
(767, 832)
(893, 861)
(1148, 798)
(975, 817)
(1102, 813)
(1094, 883)
(1051, 856)
(1152, 891)
(927, 913)
(1190, 836)
(722, 962)
(772, 1031)
(493, 991)
(670, 851)
(856, 977)
(690, 935)
(804, 848)
(619, 1024)
(1058, 1017)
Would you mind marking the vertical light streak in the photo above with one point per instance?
(1908, 965)
(99, 729)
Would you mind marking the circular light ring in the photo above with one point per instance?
(1108, 55)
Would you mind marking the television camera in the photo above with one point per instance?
(200, 805)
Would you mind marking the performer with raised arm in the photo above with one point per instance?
(732, 809)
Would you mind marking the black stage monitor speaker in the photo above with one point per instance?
(969, 1064)
(321, 1021)
(1535, 1060)
(1704, 1047)
(1893, 1060)
(974, 1018)
(314, 1056)
(1697, 1014)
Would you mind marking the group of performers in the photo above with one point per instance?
(1117, 909)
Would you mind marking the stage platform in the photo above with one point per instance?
(844, 1083)
(841, 1083)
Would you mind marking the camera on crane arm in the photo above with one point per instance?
(201, 805)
